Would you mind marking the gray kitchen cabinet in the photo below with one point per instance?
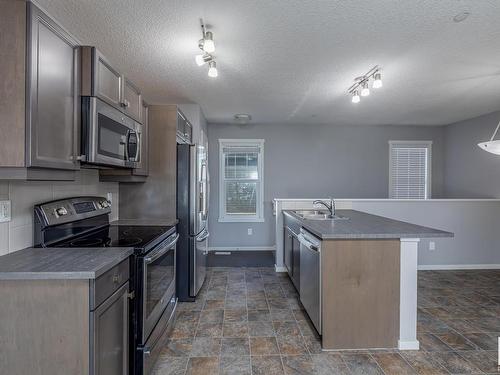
(291, 248)
(132, 101)
(67, 324)
(101, 79)
(52, 104)
(184, 129)
(40, 103)
(288, 250)
(108, 82)
(110, 334)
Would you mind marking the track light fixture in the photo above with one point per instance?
(492, 145)
(361, 84)
(207, 46)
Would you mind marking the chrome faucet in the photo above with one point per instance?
(330, 207)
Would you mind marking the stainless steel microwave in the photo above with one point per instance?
(109, 138)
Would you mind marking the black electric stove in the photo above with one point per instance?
(84, 222)
(139, 237)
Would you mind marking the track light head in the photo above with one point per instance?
(355, 97)
(208, 42)
(377, 80)
(365, 91)
(202, 59)
(212, 69)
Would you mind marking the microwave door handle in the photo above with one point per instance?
(128, 157)
(138, 148)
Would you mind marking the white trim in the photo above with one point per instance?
(408, 345)
(437, 267)
(390, 200)
(428, 145)
(408, 291)
(242, 219)
(404, 239)
(259, 216)
(242, 248)
(280, 269)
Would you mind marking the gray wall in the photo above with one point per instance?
(469, 171)
(338, 161)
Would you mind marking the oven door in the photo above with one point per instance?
(111, 137)
(158, 283)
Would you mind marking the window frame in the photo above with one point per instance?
(224, 217)
(415, 144)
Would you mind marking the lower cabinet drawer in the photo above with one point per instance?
(106, 284)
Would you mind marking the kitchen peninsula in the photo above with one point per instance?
(356, 276)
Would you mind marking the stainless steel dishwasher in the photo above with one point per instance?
(310, 276)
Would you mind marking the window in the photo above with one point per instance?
(410, 169)
(241, 180)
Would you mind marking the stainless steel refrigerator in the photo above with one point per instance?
(192, 213)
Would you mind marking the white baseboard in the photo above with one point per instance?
(280, 269)
(408, 345)
(242, 248)
(443, 267)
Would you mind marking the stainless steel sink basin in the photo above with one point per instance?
(318, 215)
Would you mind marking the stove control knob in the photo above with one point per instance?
(61, 211)
(99, 205)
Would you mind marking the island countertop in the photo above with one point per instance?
(61, 263)
(361, 225)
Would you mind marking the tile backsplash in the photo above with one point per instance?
(18, 233)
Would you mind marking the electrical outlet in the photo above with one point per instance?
(250, 231)
(5, 211)
(432, 246)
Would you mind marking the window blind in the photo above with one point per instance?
(241, 180)
(409, 174)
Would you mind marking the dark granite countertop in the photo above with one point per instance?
(362, 225)
(61, 263)
(145, 222)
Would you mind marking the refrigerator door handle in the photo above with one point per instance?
(203, 236)
(203, 190)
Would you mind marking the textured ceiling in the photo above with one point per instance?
(291, 61)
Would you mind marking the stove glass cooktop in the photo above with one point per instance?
(118, 236)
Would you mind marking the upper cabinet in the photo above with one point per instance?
(132, 101)
(39, 117)
(108, 82)
(184, 129)
(52, 94)
(101, 79)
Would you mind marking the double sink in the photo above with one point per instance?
(318, 215)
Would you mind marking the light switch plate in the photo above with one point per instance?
(5, 211)
(250, 231)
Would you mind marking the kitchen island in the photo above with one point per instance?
(365, 269)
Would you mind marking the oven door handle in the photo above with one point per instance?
(158, 253)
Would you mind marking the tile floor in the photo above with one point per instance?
(248, 321)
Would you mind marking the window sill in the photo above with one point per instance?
(241, 220)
